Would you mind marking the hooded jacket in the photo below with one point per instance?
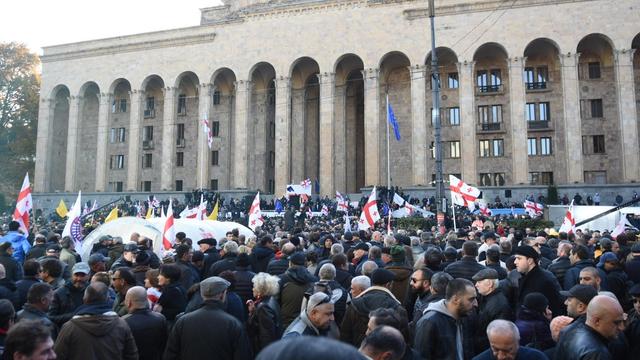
(96, 333)
(261, 255)
(400, 286)
(440, 336)
(293, 284)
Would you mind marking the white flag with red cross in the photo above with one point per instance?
(370, 212)
(169, 233)
(463, 194)
(342, 203)
(207, 130)
(24, 205)
(569, 223)
(533, 208)
(484, 210)
(255, 214)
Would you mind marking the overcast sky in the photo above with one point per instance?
(39, 23)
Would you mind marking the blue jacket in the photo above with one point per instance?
(19, 243)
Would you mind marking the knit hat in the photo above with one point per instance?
(397, 253)
(382, 276)
(527, 251)
(536, 302)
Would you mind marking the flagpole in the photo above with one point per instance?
(388, 166)
(453, 210)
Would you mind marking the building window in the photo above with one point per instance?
(596, 108)
(485, 179)
(593, 144)
(216, 97)
(215, 158)
(215, 128)
(489, 117)
(541, 178)
(150, 106)
(452, 80)
(543, 111)
(146, 186)
(535, 78)
(180, 136)
(214, 184)
(116, 186)
(112, 135)
(489, 81)
(545, 146)
(454, 149)
(147, 133)
(454, 116)
(531, 111)
(179, 159)
(147, 161)
(272, 129)
(178, 185)
(272, 159)
(594, 70)
(532, 148)
(432, 147)
(182, 104)
(121, 134)
(484, 148)
(119, 106)
(498, 147)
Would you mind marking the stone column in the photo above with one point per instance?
(371, 127)
(627, 114)
(134, 161)
(340, 138)
(468, 143)
(519, 156)
(241, 135)
(327, 131)
(298, 127)
(75, 104)
(168, 139)
(43, 152)
(572, 117)
(103, 135)
(418, 124)
(204, 108)
(283, 133)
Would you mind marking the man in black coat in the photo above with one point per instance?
(580, 259)
(31, 276)
(492, 305)
(466, 267)
(561, 264)
(279, 266)
(227, 262)
(209, 330)
(211, 254)
(149, 328)
(262, 254)
(535, 279)
(13, 269)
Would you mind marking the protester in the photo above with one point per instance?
(29, 339)
(149, 328)
(264, 325)
(504, 338)
(293, 284)
(534, 279)
(39, 299)
(314, 320)
(173, 300)
(67, 299)
(532, 320)
(383, 342)
(18, 241)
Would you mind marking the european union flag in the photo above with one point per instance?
(391, 117)
(279, 207)
(385, 209)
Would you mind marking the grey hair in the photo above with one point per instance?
(327, 272)
(369, 267)
(362, 282)
(230, 247)
(336, 249)
(389, 241)
(504, 326)
(266, 284)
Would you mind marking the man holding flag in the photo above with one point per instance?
(18, 240)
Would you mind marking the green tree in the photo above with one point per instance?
(19, 94)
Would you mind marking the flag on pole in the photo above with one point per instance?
(61, 210)
(304, 188)
(214, 214)
(113, 214)
(169, 233)
(24, 205)
(569, 223)
(622, 226)
(255, 214)
(370, 213)
(73, 227)
(202, 209)
(325, 210)
(463, 194)
(150, 213)
(342, 203)
(347, 223)
(154, 202)
(533, 208)
(207, 130)
(484, 210)
(393, 122)
(309, 213)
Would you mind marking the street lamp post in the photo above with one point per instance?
(435, 114)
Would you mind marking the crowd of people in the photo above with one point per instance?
(306, 288)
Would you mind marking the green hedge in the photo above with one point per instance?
(418, 223)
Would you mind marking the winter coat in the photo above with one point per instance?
(210, 257)
(534, 329)
(440, 336)
(542, 281)
(29, 312)
(149, 330)
(490, 307)
(173, 301)
(400, 286)
(228, 262)
(22, 288)
(244, 285)
(572, 275)
(559, 267)
(524, 353)
(37, 251)
(8, 292)
(293, 284)
(464, 268)
(96, 336)
(260, 257)
(278, 266)
(140, 273)
(302, 326)
(12, 269)
(68, 257)
(115, 251)
(189, 276)
(66, 300)
(356, 318)
(343, 278)
(632, 268)
(120, 262)
(582, 342)
(264, 325)
(208, 332)
(19, 243)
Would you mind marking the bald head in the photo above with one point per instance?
(605, 315)
(136, 298)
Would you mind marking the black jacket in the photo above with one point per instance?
(582, 343)
(37, 251)
(29, 312)
(66, 300)
(22, 288)
(278, 266)
(464, 268)
(491, 307)
(293, 284)
(260, 257)
(542, 281)
(559, 268)
(264, 326)
(8, 291)
(244, 286)
(173, 301)
(208, 332)
(210, 257)
(149, 330)
(572, 275)
(12, 269)
(436, 335)
(228, 262)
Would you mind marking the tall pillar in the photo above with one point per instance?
(327, 132)
(103, 135)
(283, 133)
(519, 155)
(371, 127)
(241, 135)
(204, 107)
(75, 103)
(627, 114)
(135, 124)
(418, 124)
(572, 117)
(43, 153)
(469, 145)
(168, 139)
(340, 138)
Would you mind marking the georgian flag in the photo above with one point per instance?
(169, 233)
(370, 213)
(484, 210)
(325, 210)
(255, 214)
(342, 203)
(463, 194)
(303, 189)
(569, 223)
(24, 205)
(189, 213)
(533, 208)
(207, 130)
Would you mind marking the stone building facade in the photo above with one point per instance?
(534, 92)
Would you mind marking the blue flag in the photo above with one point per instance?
(391, 117)
(279, 207)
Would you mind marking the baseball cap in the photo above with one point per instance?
(584, 293)
(607, 257)
(98, 257)
(635, 248)
(80, 267)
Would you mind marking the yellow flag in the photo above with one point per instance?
(112, 215)
(149, 213)
(62, 209)
(214, 213)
